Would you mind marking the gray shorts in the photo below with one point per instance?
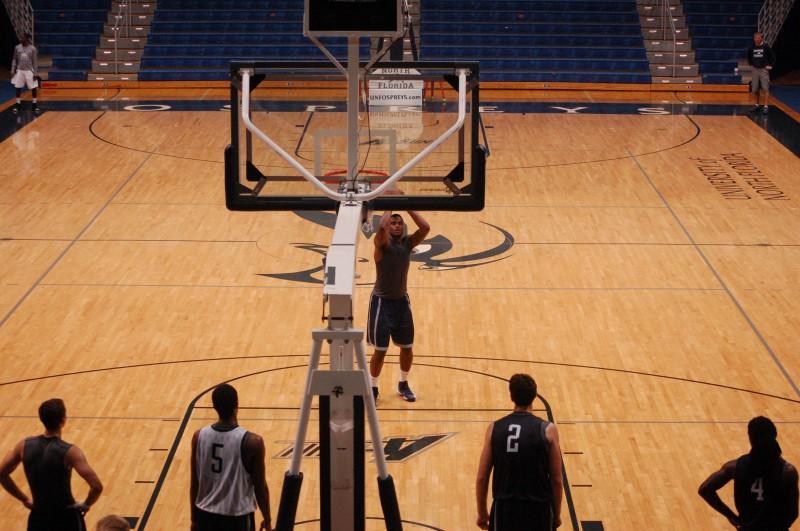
(760, 80)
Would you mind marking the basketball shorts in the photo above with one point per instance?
(760, 80)
(24, 77)
(521, 515)
(64, 520)
(220, 522)
(390, 319)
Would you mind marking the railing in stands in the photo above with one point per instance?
(123, 21)
(22, 17)
(666, 15)
(771, 17)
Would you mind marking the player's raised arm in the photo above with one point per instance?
(423, 228)
(382, 236)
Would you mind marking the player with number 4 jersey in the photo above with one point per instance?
(765, 488)
(524, 452)
(228, 472)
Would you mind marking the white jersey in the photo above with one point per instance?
(224, 486)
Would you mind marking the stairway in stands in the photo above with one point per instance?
(122, 43)
(668, 43)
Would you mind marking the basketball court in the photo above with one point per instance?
(637, 254)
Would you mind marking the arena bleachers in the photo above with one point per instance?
(69, 31)
(515, 40)
(592, 41)
(197, 39)
(722, 32)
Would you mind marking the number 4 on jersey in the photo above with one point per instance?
(758, 488)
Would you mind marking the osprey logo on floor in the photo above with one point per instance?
(430, 254)
(397, 449)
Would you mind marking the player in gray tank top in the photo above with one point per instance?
(228, 478)
(390, 308)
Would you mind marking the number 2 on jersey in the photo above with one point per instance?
(758, 488)
(216, 465)
(512, 442)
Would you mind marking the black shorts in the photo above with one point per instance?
(390, 319)
(63, 520)
(521, 515)
(219, 522)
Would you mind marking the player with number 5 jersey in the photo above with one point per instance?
(228, 471)
(527, 484)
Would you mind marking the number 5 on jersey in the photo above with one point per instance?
(216, 460)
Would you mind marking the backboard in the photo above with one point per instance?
(402, 111)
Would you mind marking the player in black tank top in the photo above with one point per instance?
(389, 316)
(765, 486)
(48, 462)
(523, 450)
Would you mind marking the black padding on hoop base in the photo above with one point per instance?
(391, 511)
(287, 510)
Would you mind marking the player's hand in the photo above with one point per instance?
(80, 507)
(557, 522)
(483, 521)
(769, 67)
(266, 524)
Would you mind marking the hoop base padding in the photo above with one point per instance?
(287, 510)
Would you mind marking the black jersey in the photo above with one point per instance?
(760, 496)
(48, 476)
(392, 271)
(520, 454)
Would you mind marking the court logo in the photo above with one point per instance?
(431, 255)
(397, 449)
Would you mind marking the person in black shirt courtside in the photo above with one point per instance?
(48, 462)
(527, 484)
(764, 484)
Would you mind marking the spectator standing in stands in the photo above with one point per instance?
(24, 66)
(48, 462)
(761, 58)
